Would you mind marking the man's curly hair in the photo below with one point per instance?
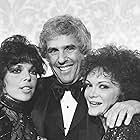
(123, 65)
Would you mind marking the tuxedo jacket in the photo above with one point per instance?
(48, 119)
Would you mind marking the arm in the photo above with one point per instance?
(122, 111)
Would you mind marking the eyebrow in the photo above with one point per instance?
(52, 49)
(66, 46)
(71, 45)
(104, 81)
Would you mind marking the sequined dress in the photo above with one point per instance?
(125, 132)
(15, 121)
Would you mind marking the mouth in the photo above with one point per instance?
(65, 68)
(93, 103)
(26, 89)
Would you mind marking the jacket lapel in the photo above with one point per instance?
(59, 121)
(55, 112)
(80, 111)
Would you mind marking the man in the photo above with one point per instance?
(62, 114)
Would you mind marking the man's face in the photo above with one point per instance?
(65, 58)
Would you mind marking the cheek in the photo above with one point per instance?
(76, 56)
(78, 62)
(87, 91)
(85, 94)
(80, 58)
(110, 99)
(8, 83)
(11, 82)
(34, 82)
(52, 59)
(10, 88)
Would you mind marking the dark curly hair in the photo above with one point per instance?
(65, 25)
(17, 49)
(123, 65)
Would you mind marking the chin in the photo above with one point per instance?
(26, 99)
(92, 113)
(65, 80)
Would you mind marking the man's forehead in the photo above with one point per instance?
(62, 41)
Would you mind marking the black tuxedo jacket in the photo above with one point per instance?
(47, 116)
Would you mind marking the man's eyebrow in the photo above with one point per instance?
(52, 49)
(71, 45)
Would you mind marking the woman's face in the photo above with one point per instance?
(101, 92)
(20, 81)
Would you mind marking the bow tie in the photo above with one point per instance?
(59, 90)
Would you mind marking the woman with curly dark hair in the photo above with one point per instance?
(20, 66)
(112, 75)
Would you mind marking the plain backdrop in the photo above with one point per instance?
(109, 21)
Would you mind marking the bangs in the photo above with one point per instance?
(13, 60)
(28, 59)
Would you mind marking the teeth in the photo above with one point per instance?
(26, 88)
(99, 103)
(95, 103)
(64, 68)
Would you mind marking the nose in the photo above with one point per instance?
(93, 92)
(62, 58)
(27, 76)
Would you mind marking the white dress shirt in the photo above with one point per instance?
(68, 105)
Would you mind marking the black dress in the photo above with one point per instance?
(15, 121)
(125, 132)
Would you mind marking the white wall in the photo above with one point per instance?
(108, 20)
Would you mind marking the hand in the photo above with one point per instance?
(120, 111)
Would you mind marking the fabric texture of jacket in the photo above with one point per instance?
(15, 121)
(48, 119)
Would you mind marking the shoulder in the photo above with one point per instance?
(127, 132)
(46, 80)
(43, 85)
(42, 94)
(43, 88)
(3, 118)
(5, 125)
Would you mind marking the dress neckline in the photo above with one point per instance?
(13, 104)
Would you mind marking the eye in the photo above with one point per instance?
(33, 71)
(15, 70)
(70, 48)
(102, 86)
(52, 51)
(88, 84)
